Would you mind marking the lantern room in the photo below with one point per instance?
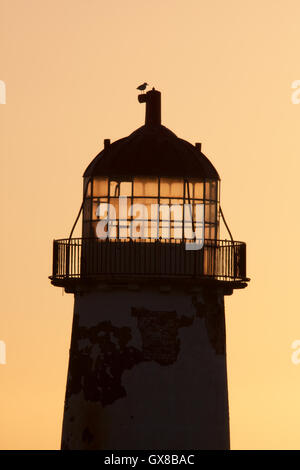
(151, 185)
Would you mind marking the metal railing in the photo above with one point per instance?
(85, 258)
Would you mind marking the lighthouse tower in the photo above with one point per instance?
(147, 366)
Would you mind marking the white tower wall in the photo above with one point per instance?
(147, 370)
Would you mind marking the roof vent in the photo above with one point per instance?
(106, 143)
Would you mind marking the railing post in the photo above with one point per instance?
(242, 270)
(68, 259)
(55, 260)
(235, 261)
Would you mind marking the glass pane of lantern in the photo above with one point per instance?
(100, 186)
(210, 212)
(213, 210)
(213, 190)
(176, 209)
(207, 190)
(140, 215)
(176, 231)
(189, 191)
(195, 188)
(188, 221)
(95, 206)
(165, 220)
(126, 188)
(114, 202)
(213, 231)
(176, 212)
(177, 221)
(198, 190)
(105, 223)
(146, 187)
(188, 232)
(147, 203)
(119, 207)
(122, 212)
(113, 188)
(171, 187)
(177, 188)
(153, 222)
(97, 209)
(165, 187)
(207, 232)
(103, 228)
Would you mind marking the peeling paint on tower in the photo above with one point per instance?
(98, 366)
(211, 309)
(159, 332)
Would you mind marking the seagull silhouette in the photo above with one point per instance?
(143, 86)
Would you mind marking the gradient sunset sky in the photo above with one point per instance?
(225, 70)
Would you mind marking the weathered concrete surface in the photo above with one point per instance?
(147, 371)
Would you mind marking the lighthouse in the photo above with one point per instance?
(147, 364)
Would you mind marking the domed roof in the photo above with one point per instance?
(152, 150)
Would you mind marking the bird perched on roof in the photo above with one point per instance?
(143, 86)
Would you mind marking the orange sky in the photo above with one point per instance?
(225, 71)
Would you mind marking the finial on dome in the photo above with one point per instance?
(153, 107)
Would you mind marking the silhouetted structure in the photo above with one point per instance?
(147, 365)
